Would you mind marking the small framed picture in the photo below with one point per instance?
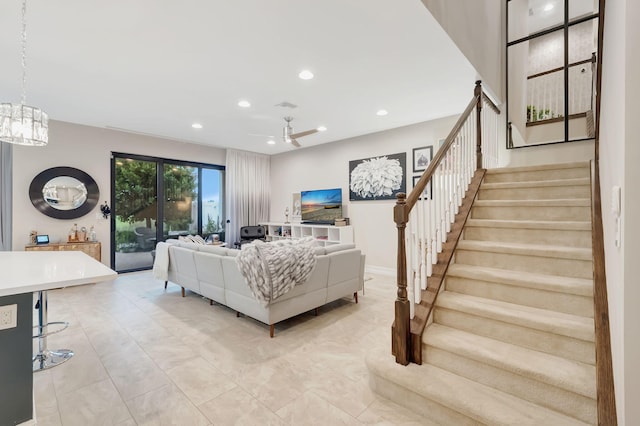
(421, 158)
(426, 194)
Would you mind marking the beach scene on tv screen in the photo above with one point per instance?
(323, 205)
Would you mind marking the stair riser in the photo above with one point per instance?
(555, 344)
(527, 263)
(536, 193)
(560, 302)
(538, 175)
(566, 402)
(581, 213)
(427, 408)
(556, 237)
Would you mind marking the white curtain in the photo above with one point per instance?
(247, 189)
(6, 170)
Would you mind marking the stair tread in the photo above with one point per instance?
(531, 224)
(566, 374)
(537, 183)
(540, 250)
(561, 202)
(540, 319)
(571, 285)
(482, 403)
(541, 167)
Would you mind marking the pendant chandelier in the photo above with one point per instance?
(19, 123)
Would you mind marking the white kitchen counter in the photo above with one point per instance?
(30, 271)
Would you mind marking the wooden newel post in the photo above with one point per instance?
(401, 340)
(477, 92)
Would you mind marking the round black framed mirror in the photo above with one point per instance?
(64, 192)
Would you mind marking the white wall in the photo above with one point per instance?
(477, 27)
(327, 166)
(618, 167)
(88, 149)
(550, 154)
(631, 208)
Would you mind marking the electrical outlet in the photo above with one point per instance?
(8, 316)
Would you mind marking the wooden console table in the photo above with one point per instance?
(93, 249)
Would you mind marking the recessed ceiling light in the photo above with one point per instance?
(382, 112)
(321, 129)
(196, 126)
(244, 104)
(548, 7)
(305, 75)
(271, 142)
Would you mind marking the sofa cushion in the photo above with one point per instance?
(210, 276)
(188, 245)
(316, 281)
(221, 251)
(185, 268)
(344, 271)
(338, 247)
(233, 253)
(319, 251)
(197, 239)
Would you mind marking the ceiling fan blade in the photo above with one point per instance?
(301, 134)
(295, 143)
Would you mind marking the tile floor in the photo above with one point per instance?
(146, 356)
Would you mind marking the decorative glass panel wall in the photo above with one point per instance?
(551, 70)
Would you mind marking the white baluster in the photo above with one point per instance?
(429, 236)
(440, 208)
(423, 247)
(410, 268)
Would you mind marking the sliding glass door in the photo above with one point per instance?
(134, 213)
(191, 202)
(180, 207)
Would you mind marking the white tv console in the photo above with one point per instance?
(325, 234)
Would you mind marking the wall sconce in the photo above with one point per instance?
(106, 211)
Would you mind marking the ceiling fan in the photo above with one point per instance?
(289, 137)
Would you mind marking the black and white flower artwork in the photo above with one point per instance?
(377, 178)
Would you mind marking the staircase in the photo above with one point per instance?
(512, 335)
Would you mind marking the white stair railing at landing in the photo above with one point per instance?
(424, 217)
(546, 91)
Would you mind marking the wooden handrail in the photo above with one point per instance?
(490, 103)
(437, 159)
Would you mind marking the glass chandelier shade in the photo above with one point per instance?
(21, 124)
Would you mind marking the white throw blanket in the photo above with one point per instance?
(272, 269)
(161, 262)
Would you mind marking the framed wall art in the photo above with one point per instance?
(377, 178)
(421, 158)
(426, 194)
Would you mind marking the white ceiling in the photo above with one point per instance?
(157, 66)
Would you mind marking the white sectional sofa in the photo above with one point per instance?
(212, 272)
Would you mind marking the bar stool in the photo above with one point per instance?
(46, 358)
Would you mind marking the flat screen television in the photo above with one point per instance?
(321, 206)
